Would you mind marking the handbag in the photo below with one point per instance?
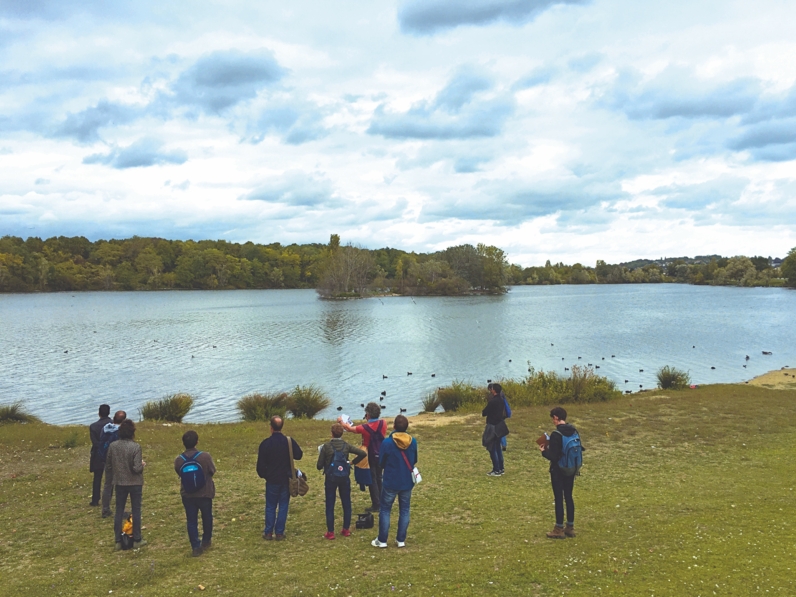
(297, 484)
(416, 478)
(501, 429)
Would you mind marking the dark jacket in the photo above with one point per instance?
(555, 447)
(494, 411)
(273, 458)
(94, 431)
(209, 469)
(397, 475)
(326, 454)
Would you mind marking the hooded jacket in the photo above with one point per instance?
(397, 475)
(555, 447)
(326, 453)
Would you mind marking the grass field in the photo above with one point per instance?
(682, 493)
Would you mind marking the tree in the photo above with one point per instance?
(348, 272)
(788, 268)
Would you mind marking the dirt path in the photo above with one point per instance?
(779, 379)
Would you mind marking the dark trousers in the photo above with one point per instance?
(332, 486)
(375, 486)
(107, 494)
(277, 497)
(192, 508)
(135, 492)
(96, 490)
(496, 454)
(562, 491)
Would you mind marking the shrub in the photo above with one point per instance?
(670, 378)
(459, 394)
(70, 441)
(261, 407)
(169, 408)
(305, 402)
(16, 413)
(431, 402)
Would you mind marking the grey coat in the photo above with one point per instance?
(124, 465)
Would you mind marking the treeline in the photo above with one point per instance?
(335, 270)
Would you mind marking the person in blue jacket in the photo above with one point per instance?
(397, 459)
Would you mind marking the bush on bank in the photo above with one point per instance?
(536, 389)
(262, 406)
(171, 408)
(670, 378)
(16, 413)
(304, 402)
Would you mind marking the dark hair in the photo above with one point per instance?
(119, 417)
(401, 423)
(276, 423)
(498, 388)
(337, 430)
(105, 410)
(126, 429)
(189, 439)
(559, 412)
(373, 410)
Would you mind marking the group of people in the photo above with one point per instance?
(391, 459)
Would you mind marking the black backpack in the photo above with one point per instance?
(364, 521)
(340, 467)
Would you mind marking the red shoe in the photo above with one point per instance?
(346, 533)
(329, 535)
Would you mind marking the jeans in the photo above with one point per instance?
(504, 443)
(562, 491)
(276, 497)
(375, 486)
(192, 508)
(97, 486)
(135, 492)
(333, 485)
(107, 493)
(387, 500)
(496, 454)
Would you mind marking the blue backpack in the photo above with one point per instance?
(571, 454)
(106, 439)
(340, 467)
(191, 473)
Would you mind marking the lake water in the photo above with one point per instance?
(64, 354)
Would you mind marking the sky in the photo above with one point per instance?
(569, 130)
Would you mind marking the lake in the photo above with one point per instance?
(64, 354)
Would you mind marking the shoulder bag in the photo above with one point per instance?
(297, 484)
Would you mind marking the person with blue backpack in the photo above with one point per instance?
(565, 453)
(197, 489)
(110, 433)
(333, 461)
(97, 463)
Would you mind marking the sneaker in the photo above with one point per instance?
(401, 543)
(106, 514)
(196, 552)
(207, 545)
(139, 544)
(556, 533)
(329, 535)
(501, 472)
(493, 474)
(346, 533)
(268, 536)
(373, 509)
(280, 537)
(377, 543)
(93, 504)
(569, 530)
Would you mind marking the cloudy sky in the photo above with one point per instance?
(573, 130)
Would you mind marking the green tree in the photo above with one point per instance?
(788, 268)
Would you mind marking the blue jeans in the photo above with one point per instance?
(135, 492)
(496, 454)
(192, 508)
(276, 497)
(387, 499)
(332, 486)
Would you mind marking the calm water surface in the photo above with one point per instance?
(65, 354)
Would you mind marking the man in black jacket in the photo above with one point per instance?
(562, 484)
(97, 462)
(273, 465)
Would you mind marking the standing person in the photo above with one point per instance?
(333, 461)
(372, 432)
(110, 433)
(126, 467)
(397, 459)
(273, 465)
(495, 428)
(563, 479)
(203, 490)
(96, 464)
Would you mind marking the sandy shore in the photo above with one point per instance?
(779, 379)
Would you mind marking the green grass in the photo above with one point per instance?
(169, 408)
(262, 406)
(15, 413)
(682, 493)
